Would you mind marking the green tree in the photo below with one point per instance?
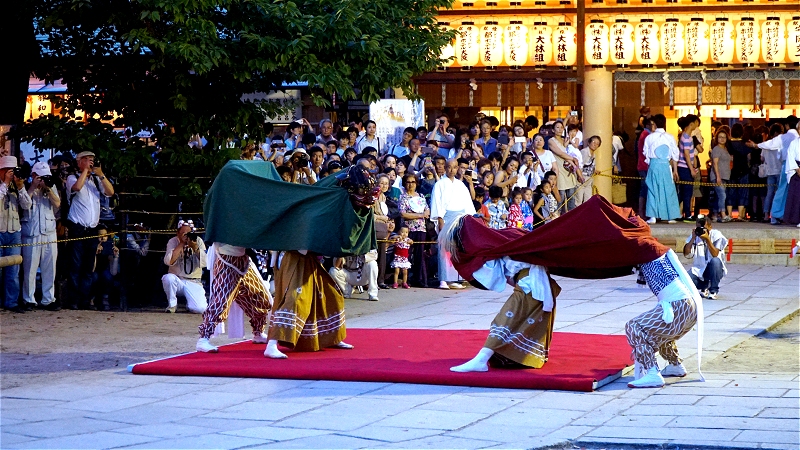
(182, 67)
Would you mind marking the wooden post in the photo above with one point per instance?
(12, 260)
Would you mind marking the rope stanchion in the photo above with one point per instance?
(110, 233)
(693, 183)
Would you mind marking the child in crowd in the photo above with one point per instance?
(495, 210)
(547, 207)
(527, 209)
(401, 262)
(515, 219)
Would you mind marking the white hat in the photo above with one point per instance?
(41, 168)
(84, 154)
(8, 162)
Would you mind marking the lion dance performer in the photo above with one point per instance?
(521, 333)
(308, 311)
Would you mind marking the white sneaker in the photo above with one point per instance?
(712, 296)
(204, 346)
(704, 293)
(171, 309)
(456, 286)
(674, 370)
(259, 338)
(672, 221)
(443, 285)
(651, 220)
(373, 298)
(652, 379)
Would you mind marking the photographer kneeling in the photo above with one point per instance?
(186, 257)
(707, 247)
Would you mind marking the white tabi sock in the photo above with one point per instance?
(480, 363)
(272, 350)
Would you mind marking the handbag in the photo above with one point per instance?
(618, 192)
(381, 230)
(762, 170)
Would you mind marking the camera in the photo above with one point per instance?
(191, 236)
(300, 160)
(22, 172)
(96, 163)
(699, 231)
(48, 180)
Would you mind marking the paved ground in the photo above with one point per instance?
(735, 408)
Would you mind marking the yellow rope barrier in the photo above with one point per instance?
(110, 233)
(694, 183)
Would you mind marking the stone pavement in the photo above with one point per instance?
(114, 409)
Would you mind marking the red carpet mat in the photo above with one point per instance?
(411, 356)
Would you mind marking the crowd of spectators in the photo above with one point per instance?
(748, 173)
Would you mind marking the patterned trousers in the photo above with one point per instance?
(648, 333)
(235, 279)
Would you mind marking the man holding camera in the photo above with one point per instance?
(707, 247)
(439, 133)
(13, 197)
(84, 189)
(186, 258)
(39, 232)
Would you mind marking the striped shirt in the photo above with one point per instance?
(685, 143)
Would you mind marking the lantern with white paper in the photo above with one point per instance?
(448, 51)
(747, 43)
(722, 41)
(672, 42)
(467, 45)
(646, 47)
(697, 42)
(541, 44)
(565, 46)
(621, 43)
(597, 43)
(773, 46)
(491, 44)
(516, 44)
(793, 40)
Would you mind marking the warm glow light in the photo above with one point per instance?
(596, 43)
(467, 45)
(722, 41)
(697, 42)
(747, 43)
(491, 44)
(541, 44)
(621, 43)
(672, 42)
(793, 40)
(565, 45)
(647, 42)
(448, 50)
(516, 44)
(773, 46)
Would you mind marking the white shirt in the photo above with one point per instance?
(178, 268)
(792, 156)
(450, 195)
(616, 146)
(656, 139)
(772, 154)
(530, 180)
(787, 139)
(40, 219)
(84, 205)
(399, 151)
(363, 143)
(546, 161)
(701, 255)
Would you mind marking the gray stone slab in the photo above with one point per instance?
(163, 430)
(735, 423)
(321, 420)
(205, 441)
(443, 442)
(148, 414)
(62, 427)
(260, 410)
(273, 433)
(105, 404)
(100, 439)
(790, 437)
(780, 413)
(390, 434)
(663, 434)
(435, 420)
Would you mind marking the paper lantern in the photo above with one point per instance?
(773, 46)
(672, 42)
(697, 42)
(467, 45)
(491, 44)
(597, 43)
(515, 44)
(747, 42)
(722, 41)
(621, 43)
(448, 50)
(565, 46)
(793, 40)
(646, 46)
(541, 44)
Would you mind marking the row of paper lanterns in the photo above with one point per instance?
(623, 43)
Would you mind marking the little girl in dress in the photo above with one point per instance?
(401, 262)
(515, 218)
(547, 207)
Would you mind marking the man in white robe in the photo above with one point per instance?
(450, 199)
